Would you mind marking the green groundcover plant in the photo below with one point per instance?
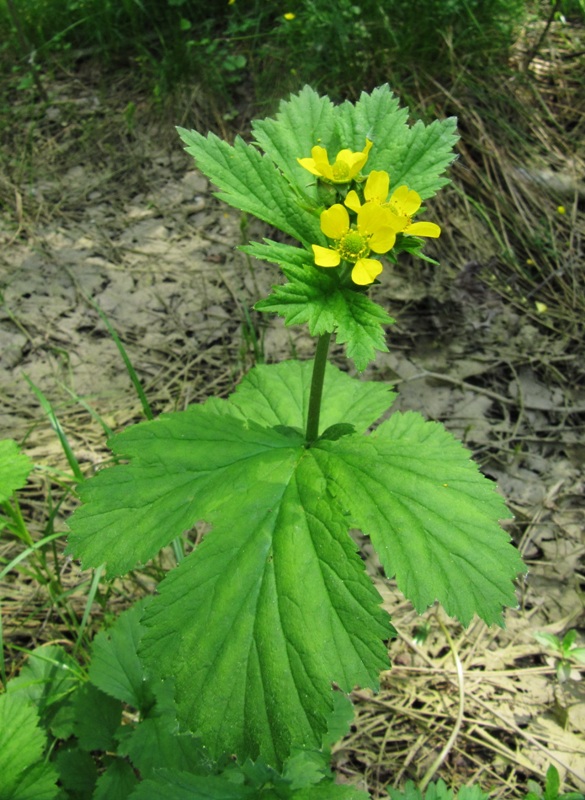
(237, 671)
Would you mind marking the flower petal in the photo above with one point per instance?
(322, 161)
(309, 163)
(324, 257)
(352, 201)
(377, 186)
(371, 216)
(405, 201)
(383, 240)
(335, 221)
(397, 223)
(429, 229)
(365, 271)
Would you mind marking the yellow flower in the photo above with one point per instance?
(289, 16)
(561, 210)
(541, 308)
(373, 232)
(347, 163)
(403, 204)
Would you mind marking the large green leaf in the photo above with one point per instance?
(173, 491)
(431, 515)
(271, 608)
(23, 773)
(316, 296)
(14, 468)
(274, 605)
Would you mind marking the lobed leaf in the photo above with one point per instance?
(301, 122)
(431, 515)
(317, 297)
(115, 667)
(271, 608)
(274, 605)
(251, 182)
(416, 155)
(24, 775)
(279, 395)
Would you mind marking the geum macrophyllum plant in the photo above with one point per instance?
(273, 608)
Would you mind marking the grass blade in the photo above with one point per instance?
(56, 425)
(131, 371)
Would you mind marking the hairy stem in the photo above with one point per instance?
(317, 389)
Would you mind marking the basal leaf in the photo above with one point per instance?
(117, 782)
(77, 771)
(156, 742)
(271, 608)
(251, 182)
(174, 785)
(115, 667)
(97, 718)
(431, 515)
(48, 681)
(23, 773)
(15, 468)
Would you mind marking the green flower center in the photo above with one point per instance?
(340, 171)
(353, 246)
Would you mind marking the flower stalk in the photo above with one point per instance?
(314, 412)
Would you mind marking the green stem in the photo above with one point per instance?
(317, 389)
